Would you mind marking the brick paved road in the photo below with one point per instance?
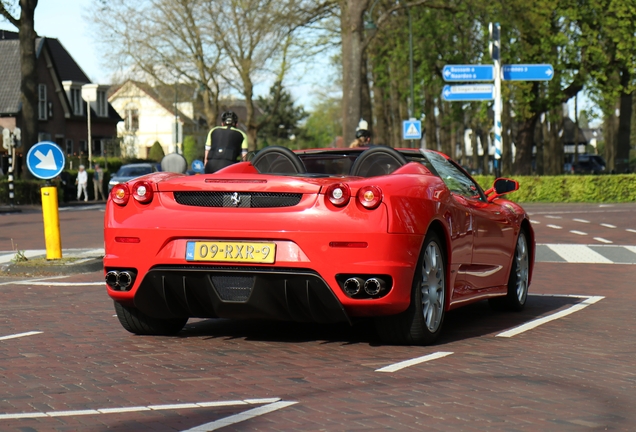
(574, 373)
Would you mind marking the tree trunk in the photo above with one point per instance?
(475, 146)
(541, 153)
(624, 125)
(380, 130)
(396, 135)
(250, 121)
(352, 28)
(610, 128)
(365, 96)
(524, 142)
(28, 86)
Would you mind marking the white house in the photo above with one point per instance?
(149, 118)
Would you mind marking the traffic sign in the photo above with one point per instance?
(454, 73)
(45, 160)
(197, 166)
(527, 72)
(411, 129)
(474, 92)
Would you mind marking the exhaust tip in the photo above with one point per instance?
(352, 286)
(373, 286)
(111, 279)
(124, 279)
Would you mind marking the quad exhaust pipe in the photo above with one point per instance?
(372, 286)
(119, 280)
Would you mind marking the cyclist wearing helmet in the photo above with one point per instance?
(224, 144)
(363, 139)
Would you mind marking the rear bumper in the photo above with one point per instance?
(218, 292)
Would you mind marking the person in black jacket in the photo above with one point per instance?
(225, 144)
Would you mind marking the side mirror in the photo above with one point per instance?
(500, 187)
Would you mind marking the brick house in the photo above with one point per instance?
(61, 110)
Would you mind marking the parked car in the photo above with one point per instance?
(325, 235)
(587, 164)
(129, 172)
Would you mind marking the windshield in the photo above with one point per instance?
(135, 171)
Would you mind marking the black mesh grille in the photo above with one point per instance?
(233, 288)
(237, 199)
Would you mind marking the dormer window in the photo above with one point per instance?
(101, 107)
(77, 102)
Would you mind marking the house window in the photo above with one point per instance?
(42, 105)
(82, 147)
(131, 120)
(69, 146)
(102, 104)
(76, 101)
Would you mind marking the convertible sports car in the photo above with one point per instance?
(327, 235)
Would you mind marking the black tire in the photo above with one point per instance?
(515, 298)
(422, 322)
(139, 323)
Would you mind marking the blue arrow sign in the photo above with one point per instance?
(475, 92)
(197, 166)
(527, 72)
(411, 129)
(453, 73)
(45, 160)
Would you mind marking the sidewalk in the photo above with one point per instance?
(73, 261)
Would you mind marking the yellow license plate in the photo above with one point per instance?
(224, 251)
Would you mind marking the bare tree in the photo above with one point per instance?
(28, 86)
(162, 39)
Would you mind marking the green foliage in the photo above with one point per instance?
(571, 188)
(191, 150)
(281, 118)
(156, 152)
(324, 124)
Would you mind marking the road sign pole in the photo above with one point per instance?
(11, 168)
(496, 52)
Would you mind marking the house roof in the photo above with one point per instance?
(10, 73)
(65, 66)
(569, 128)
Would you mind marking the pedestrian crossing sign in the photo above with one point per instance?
(411, 129)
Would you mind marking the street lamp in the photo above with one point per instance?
(370, 25)
(89, 94)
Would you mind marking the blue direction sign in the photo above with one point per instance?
(468, 73)
(527, 72)
(197, 166)
(411, 129)
(45, 160)
(475, 92)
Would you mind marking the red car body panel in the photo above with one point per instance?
(313, 238)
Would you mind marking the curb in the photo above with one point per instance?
(85, 266)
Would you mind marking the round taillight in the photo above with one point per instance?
(142, 191)
(120, 194)
(370, 197)
(338, 194)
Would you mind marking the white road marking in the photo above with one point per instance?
(540, 321)
(404, 364)
(606, 225)
(630, 230)
(602, 240)
(581, 220)
(535, 222)
(33, 280)
(630, 248)
(605, 205)
(44, 283)
(237, 418)
(578, 254)
(553, 226)
(271, 401)
(19, 335)
(578, 232)
(553, 217)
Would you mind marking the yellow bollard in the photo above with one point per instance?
(51, 218)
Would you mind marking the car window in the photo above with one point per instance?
(332, 164)
(133, 171)
(454, 178)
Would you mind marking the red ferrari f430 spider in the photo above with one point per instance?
(327, 235)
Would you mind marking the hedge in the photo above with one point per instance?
(563, 189)
(614, 188)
